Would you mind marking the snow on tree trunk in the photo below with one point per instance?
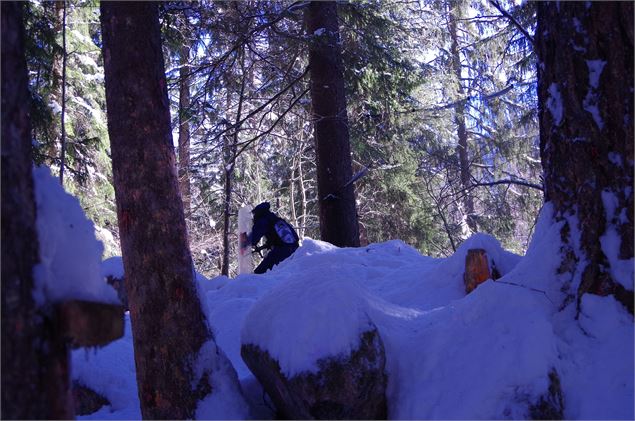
(245, 260)
(338, 213)
(585, 91)
(168, 323)
(35, 356)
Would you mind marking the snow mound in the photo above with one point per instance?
(503, 260)
(491, 351)
(110, 371)
(112, 266)
(320, 314)
(485, 355)
(70, 255)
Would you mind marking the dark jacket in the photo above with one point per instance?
(264, 226)
(265, 223)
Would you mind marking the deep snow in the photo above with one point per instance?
(448, 355)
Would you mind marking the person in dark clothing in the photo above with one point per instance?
(279, 235)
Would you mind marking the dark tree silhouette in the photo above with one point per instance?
(338, 212)
(585, 91)
(35, 356)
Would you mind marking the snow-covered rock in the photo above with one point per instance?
(344, 387)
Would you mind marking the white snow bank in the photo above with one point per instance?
(596, 359)
(320, 314)
(537, 268)
(430, 343)
(486, 355)
(110, 371)
(112, 266)
(70, 255)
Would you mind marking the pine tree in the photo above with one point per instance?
(338, 214)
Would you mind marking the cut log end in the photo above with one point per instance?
(477, 269)
(88, 323)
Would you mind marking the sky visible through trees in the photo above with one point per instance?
(412, 71)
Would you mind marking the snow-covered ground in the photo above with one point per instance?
(449, 355)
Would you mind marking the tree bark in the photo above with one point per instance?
(35, 356)
(459, 118)
(338, 213)
(585, 92)
(168, 323)
(184, 128)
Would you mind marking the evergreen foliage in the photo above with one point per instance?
(87, 150)
(249, 115)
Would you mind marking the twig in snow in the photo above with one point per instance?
(526, 287)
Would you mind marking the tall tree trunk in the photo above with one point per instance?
(63, 116)
(585, 92)
(35, 357)
(296, 169)
(303, 203)
(168, 323)
(338, 214)
(459, 118)
(184, 128)
(56, 80)
(294, 214)
(231, 144)
(227, 192)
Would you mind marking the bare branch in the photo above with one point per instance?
(517, 182)
(505, 13)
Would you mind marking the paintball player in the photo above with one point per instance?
(279, 235)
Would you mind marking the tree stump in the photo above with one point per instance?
(477, 269)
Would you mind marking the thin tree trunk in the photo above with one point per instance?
(63, 117)
(169, 326)
(459, 120)
(294, 215)
(303, 205)
(52, 148)
(35, 356)
(184, 129)
(585, 92)
(230, 156)
(295, 169)
(227, 191)
(338, 214)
